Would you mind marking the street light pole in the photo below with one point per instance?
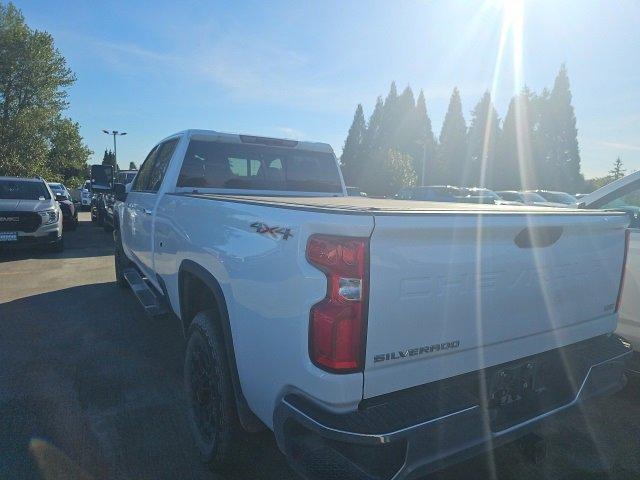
(115, 133)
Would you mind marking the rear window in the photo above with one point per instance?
(22, 190)
(258, 167)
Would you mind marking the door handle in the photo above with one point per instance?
(146, 211)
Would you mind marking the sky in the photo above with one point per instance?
(298, 69)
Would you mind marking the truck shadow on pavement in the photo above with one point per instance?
(84, 373)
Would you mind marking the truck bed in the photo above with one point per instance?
(381, 206)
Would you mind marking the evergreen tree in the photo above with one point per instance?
(393, 170)
(405, 136)
(542, 131)
(564, 153)
(387, 137)
(514, 165)
(374, 126)
(426, 142)
(617, 171)
(133, 166)
(109, 158)
(452, 148)
(371, 146)
(484, 130)
(352, 159)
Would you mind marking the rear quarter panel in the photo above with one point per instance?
(269, 289)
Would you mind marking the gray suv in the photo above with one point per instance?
(29, 214)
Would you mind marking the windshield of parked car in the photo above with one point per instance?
(559, 197)
(126, 177)
(23, 190)
(210, 164)
(481, 192)
(510, 196)
(532, 197)
(631, 199)
(58, 189)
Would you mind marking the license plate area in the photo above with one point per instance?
(8, 237)
(515, 394)
(514, 384)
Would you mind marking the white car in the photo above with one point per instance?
(30, 216)
(85, 195)
(624, 195)
(377, 338)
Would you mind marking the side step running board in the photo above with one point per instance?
(152, 303)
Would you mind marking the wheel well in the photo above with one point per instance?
(198, 290)
(195, 296)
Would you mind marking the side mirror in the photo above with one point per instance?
(120, 191)
(60, 197)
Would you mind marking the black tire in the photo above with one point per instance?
(120, 260)
(207, 380)
(57, 247)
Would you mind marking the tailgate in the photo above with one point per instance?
(453, 293)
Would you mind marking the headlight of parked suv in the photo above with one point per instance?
(49, 216)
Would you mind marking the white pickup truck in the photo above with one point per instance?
(377, 338)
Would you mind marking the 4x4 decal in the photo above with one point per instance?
(273, 232)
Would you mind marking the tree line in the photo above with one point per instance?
(36, 138)
(109, 158)
(534, 146)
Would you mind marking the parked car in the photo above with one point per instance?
(483, 195)
(68, 208)
(85, 195)
(557, 197)
(376, 338)
(528, 198)
(432, 193)
(623, 195)
(107, 201)
(29, 214)
(355, 192)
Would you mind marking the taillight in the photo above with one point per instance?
(337, 324)
(627, 240)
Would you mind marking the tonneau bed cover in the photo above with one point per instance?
(391, 206)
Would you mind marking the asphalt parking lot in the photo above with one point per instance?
(91, 388)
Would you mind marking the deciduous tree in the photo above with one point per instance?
(33, 81)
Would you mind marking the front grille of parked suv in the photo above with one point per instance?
(27, 222)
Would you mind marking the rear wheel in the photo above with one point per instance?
(207, 379)
(120, 259)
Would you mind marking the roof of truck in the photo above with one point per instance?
(387, 205)
(227, 137)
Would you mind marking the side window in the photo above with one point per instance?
(142, 179)
(165, 152)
